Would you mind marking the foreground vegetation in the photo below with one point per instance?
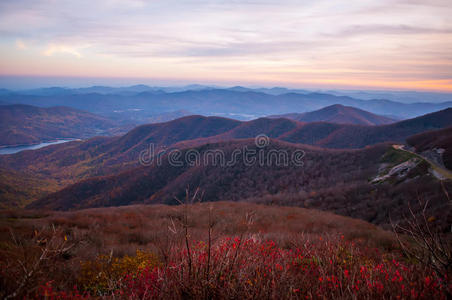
(222, 250)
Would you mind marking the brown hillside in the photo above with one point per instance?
(25, 124)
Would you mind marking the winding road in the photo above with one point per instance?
(439, 171)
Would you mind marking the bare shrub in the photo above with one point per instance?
(27, 262)
(423, 242)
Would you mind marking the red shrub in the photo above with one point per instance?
(246, 268)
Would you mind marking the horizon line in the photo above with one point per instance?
(16, 83)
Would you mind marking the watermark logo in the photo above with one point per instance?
(261, 155)
(262, 141)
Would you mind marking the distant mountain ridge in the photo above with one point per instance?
(397, 96)
(339, 114)
(147, 101)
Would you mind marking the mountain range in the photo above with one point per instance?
(26, 124)
(106, 171)
(398, 96)
(241, 103)
(338, 181)
(100, 155)
(346, 147)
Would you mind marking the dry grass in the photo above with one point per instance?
(142, 226)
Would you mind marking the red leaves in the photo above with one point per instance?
(260, 269)
(48, 292)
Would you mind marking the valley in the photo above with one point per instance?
(108, 171)
(25, 125)
(18, 148)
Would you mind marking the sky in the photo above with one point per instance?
(353, 44)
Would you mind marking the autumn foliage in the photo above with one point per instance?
(249, 268)
(206, 251)
(104, 274)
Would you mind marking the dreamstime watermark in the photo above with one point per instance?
(261, 155)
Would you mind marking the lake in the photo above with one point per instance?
(12, 150)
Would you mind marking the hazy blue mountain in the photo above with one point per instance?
(271, 91)
(5, 92)
(399, 96)
(51, 91)
(238, 101)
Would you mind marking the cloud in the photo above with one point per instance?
(371, 29)
(391, 38)
(64, 49)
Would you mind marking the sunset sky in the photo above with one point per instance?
(362, 44)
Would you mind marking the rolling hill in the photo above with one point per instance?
(160, 183)
(333, 180)
(331, 135)
(25, 124)
(69, 163)
(339, 114)
(105, 155)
